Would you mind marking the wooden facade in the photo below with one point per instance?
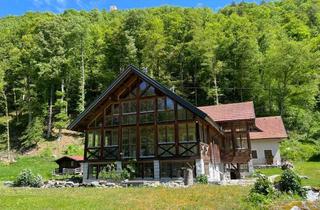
(137, 118)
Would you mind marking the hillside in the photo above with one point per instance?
(52, 66)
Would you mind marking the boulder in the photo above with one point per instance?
(8, 183)
(287, 165)
(94, 184)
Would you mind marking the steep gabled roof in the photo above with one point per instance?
(132, 69)
(269, 128)
(230, 112)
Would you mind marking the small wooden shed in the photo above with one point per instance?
(69, 165)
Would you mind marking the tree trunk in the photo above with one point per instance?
(50, 112)
(7, 126)
(15, 105)
(216, 89)
(82, 82)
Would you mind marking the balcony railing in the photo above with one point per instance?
(110, 152)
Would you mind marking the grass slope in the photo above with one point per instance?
(309, 169)
(196, 197)
(38, 165)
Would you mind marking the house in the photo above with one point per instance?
(69, 165)
(236, 120)
(265, 139)
(138, 118)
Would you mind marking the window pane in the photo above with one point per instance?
(170, 104)
(183, 135)
(93, 138)
(115, 109)
(111, 137)
(147, 118)
(129, 107)
(166, 133)
(129, 119)
(90, 139)
(147, 140)
(161, 104)
(147, 105)
(181, 113)
(129, 142)
(164, 116)
(191, 132)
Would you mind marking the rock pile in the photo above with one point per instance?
(107, 184)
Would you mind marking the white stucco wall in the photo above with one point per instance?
(266, 144)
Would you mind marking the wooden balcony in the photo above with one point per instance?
(239, 155)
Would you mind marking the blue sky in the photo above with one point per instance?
(19, 7)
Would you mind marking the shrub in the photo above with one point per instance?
(202, 179)
(290, 182)
(262, 186)
(258, 199)
(27, 179)
(46, 153)
(110, 175)
(74, 150)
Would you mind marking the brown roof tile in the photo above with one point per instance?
(271, 128)
(229, 112)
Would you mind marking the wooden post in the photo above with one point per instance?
(85, 144)
(176, 128)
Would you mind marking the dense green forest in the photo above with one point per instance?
(53, 65)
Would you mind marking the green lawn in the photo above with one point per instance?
(196, 197)
(310, 169)
(38, 165)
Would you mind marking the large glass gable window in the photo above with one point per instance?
(147, 140)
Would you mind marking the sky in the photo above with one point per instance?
(19, 7)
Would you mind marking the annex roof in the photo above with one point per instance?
(230, 112)
(74, 157)
(269, 128)
(75, 125)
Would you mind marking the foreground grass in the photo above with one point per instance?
(309, 169)
(196, 197)
(38, 165)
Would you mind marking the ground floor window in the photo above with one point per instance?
(254, 154)
(145, 170)
(93, 171)
(174, 169)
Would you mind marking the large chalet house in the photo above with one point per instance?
(138, 118)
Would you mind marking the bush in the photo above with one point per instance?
(290, 182)
(262, 186)
(258, 199)
(27, 179)
(74, 150)
(110, 175)
(202, 179)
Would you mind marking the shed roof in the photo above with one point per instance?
(230, 112)
(74, 157)
(269, 128)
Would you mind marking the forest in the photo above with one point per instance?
(53, 65)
